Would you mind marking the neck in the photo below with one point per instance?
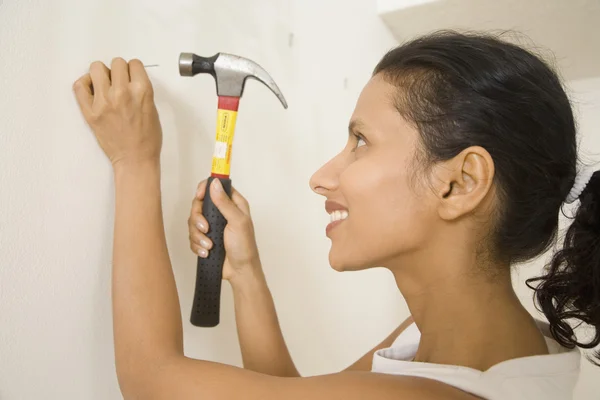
(467, 318)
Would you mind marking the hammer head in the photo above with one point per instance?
(230, 73)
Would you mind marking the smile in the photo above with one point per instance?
(338, 215)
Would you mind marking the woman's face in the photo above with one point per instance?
(381, 214)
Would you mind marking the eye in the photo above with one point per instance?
(360, 141)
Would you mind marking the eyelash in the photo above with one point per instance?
(358, 139)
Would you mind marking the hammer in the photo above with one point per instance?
(230, 73)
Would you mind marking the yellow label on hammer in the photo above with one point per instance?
(225, 130)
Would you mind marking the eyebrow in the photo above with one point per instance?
(354, 125)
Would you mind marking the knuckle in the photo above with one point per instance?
(137, 87)
(101, 105)
(141, 88)
(119, 60)
(120, 95)
(95, 115)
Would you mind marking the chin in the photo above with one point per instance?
(346, 262)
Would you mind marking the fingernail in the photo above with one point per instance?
(202, 253)
(217, 185)
(205, 244)
(201, 226)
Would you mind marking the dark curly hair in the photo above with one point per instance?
(475, 89)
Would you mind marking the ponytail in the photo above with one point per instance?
(570, 288)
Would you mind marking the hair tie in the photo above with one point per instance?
(581, 180)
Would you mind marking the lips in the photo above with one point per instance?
(331, 206)
(337, 212)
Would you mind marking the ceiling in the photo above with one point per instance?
(564, 32)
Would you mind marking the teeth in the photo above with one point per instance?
(338, 215)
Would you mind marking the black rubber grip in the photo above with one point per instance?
(209, 272)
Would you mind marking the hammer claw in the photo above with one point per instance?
(230, 73)
(233, 71)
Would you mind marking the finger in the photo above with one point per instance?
(83, 93)
(199, 251)
(227, 207)
(138, 73)
(119, 72)
(197, 220)
(201, 240)
(100, 79)
(240, 201)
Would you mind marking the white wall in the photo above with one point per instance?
(56, 193)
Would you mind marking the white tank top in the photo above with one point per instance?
(547, 377)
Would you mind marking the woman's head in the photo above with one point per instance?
(470, 145)
(369, 182)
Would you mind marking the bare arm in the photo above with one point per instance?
(146, 313)
(261, 340)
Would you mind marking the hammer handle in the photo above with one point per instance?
(209, 272)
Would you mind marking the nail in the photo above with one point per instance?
(201, 226)
(204, 244)
(202, 253)
(217, 185)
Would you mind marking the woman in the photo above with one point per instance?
(461, 153)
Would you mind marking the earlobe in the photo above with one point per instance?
(467, 183)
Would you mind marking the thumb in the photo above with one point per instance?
(83, 93)
(227, 207)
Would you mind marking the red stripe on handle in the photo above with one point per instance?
(229, 103)
(219, 176)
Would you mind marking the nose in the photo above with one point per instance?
(326, 178)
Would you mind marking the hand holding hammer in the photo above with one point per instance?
(230, 73)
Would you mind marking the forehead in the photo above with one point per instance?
(375, 109)
(376, 93)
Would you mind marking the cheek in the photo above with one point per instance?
(386, 218)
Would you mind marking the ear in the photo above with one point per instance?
(466, 180)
